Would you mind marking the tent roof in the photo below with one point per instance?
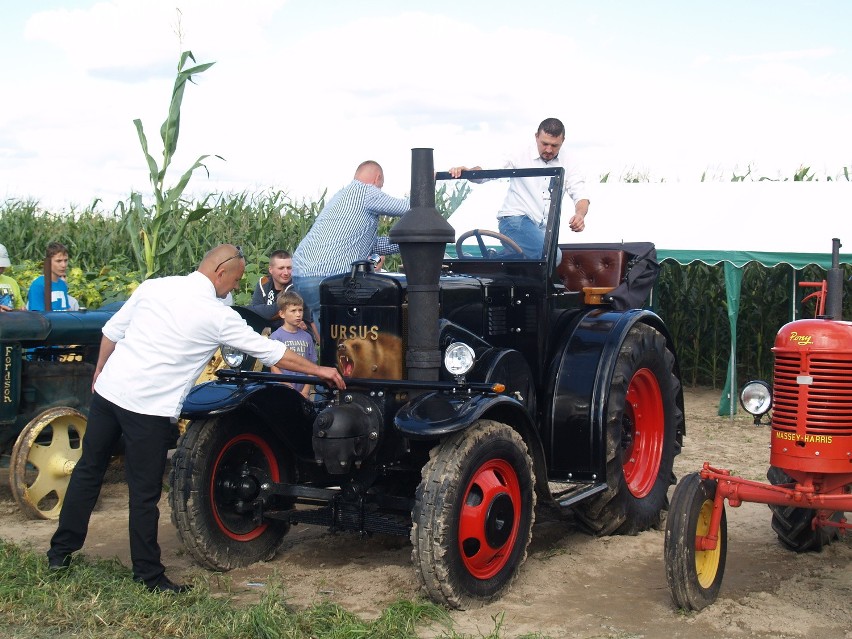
(712, 222)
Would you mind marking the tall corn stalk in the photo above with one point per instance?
(166, 220)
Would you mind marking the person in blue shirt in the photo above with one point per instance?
(57, 257)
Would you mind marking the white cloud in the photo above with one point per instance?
(297, 108)
(128, 34)
(783, 56)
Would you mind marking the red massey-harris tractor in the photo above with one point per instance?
(810, 470)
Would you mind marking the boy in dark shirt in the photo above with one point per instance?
(269, 287)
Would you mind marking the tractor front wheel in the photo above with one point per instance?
(694, 574)
(793, 525)
(473, 515)
(217, 473)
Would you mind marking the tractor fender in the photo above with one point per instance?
(217, 397)
(580, 375)
(437, 414)
(273, 407)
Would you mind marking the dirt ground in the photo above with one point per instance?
(572, 585)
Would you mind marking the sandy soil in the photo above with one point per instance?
(572, 585)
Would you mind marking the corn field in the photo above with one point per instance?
(690, 298)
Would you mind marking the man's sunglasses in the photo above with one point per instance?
(239, 255)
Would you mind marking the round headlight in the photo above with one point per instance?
(459, 358)
(233, 357)
(756, 397)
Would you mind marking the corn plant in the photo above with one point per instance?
(145, 226)
(689, 297)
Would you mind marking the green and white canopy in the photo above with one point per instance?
(732, 223)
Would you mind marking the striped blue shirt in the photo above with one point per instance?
(346, 231)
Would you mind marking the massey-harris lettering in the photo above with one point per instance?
(798, 437)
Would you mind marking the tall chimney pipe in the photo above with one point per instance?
(422, 234)
(834, 282)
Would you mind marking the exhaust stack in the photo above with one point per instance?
(421, 234)
(834, 283)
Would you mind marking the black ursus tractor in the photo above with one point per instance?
(810, 457)
(479, 380)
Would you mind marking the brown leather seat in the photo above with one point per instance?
(594, 271)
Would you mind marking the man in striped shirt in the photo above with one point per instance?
(345, 231)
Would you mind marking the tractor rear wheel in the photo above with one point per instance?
(217, 471)
(45, 453)
(694, 576)
(793, 525)
(643, 420)
(473, 515)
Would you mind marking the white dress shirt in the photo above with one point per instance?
(165, 335)
(530, 196)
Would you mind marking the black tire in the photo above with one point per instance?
(217, 469)
(473, 515)
(694, 576)
(793, 525)
(643, 420)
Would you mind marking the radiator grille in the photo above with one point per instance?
(825, 405)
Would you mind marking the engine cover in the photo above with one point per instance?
(346, 433)
(812, 395)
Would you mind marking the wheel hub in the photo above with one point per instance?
(499, 520)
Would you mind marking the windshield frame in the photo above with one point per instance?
(557, 175)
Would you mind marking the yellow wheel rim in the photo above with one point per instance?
(43, 457)
(706, 561)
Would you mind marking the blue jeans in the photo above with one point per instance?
(526, 234)
(309, 289)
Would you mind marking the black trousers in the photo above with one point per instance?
(147, 440)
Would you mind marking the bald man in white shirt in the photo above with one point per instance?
(152, 351)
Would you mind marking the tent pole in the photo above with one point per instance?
(733, 284)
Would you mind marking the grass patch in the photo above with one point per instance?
(98, 598)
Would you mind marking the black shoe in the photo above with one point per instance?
(167, 586)
(56, 565)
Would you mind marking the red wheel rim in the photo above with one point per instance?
(489, 519)
(243, 465)
(643, 433)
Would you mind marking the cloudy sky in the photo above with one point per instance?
(303, 90)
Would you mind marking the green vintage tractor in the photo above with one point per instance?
(48, 364)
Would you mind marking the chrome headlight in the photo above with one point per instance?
(756, 397)
(233, 357)
(459, 358)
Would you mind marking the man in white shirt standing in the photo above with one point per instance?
(523, 215)
(152, 351)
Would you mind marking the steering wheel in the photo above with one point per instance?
(487, 253)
